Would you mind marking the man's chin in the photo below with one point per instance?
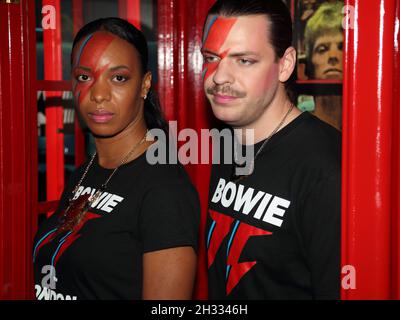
(232, 120)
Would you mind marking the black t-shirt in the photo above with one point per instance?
(276, 233)
(144, 208)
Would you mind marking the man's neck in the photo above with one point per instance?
(269, 121)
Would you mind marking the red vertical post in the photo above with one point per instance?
(77, 18)
(54, 113)
(367, 147)
(181, 92)
(18, 148)
(396, 163)
(130, 10)
(167, 56)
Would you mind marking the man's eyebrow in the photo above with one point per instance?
(232, 55)
(203, 51)
(243, 53)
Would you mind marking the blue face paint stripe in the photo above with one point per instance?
(210, 233)
(82, 47)
(76, 99)
(40, 241)
(208, 28)
(232, 236)
(204, 73)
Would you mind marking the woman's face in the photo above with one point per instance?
(107, 83)
(327, 56)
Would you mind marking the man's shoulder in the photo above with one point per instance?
(317, 142)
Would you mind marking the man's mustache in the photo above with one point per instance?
(225, 91)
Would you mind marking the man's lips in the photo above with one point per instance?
(101, 116)
(222, 99)
(333, 70)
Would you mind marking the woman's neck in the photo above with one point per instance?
(112, 151)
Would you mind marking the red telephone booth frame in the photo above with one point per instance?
(371, 135)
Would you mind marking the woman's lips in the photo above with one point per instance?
(221, 99)
(101, 116)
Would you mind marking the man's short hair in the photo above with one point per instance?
(326, 20)
(280, 31)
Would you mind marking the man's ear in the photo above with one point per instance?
(146, 83)
(287, 64)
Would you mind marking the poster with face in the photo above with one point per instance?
(319, 39)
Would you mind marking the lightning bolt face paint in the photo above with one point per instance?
(241, 72)
(215, 35)
(88, 56)
(108, 83)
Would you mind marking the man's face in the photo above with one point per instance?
(327, 56)
(240, 69)
(107, 83)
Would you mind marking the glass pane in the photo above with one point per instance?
(91, 10)
(64, 100)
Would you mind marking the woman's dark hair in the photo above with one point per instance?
(280, 27)
(126, 31)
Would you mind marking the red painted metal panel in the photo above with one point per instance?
(54, 114)
(18, 150)
(367, 148)
(45, 207)
(50, 85)
(130, 10)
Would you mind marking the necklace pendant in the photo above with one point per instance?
(74, 213)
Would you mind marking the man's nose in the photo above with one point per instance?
(223, 73)
(100, 91)
(335, 56)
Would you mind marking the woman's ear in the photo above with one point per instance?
(287, 64)
(146, 84)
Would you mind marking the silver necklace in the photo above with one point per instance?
(235, 177)
(77, 208)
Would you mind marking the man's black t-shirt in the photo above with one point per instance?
(144, 208)
(276, 233)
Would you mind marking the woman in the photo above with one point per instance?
(124, 229)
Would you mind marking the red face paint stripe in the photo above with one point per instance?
(216, 38)
(86, 87)
(91, 52)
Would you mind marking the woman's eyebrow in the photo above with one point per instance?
(83, 68)
(119, 67)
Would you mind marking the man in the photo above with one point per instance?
(273, 233)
